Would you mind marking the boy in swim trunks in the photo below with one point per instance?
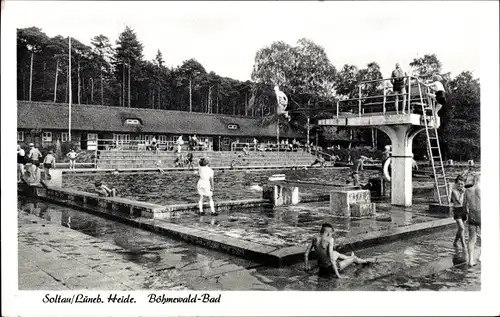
(103, 190)
(205, 185)
(355, 168)
(472, 206)
(459, 214)
(72, 159)
(327, 256)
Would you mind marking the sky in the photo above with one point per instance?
(224, 36)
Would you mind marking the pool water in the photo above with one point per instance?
(180, 187)
(426, 262)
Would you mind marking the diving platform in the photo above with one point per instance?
(374, 120)
(401, 116)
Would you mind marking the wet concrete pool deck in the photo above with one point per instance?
(53, 257)
(277, 237)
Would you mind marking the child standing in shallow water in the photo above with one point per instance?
(205, 185)
(459, 214)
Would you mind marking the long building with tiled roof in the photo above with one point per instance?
(45, 123)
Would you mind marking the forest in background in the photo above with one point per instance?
(116, 74)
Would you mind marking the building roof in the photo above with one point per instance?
(54, 116)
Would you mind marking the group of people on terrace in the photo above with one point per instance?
(28, 165)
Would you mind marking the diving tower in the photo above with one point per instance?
(413, 113)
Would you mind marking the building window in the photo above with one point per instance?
(232, 126)
(47, 137)
(64, 137)
(91, 136)
(132, 121)
(122, 138)
(249, 140)
(162, 139)
(20, 136)
(227, 141)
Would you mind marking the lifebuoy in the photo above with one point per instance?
(387, 176)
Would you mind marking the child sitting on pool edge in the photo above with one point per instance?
(103, 190)
(205, 185)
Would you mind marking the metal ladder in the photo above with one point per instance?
(433, 148)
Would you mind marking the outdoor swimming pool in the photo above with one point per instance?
(180, 187)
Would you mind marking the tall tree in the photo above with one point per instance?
(426, 66)
(190, 70)
(33, 40)
(103, 50)
(127, 60)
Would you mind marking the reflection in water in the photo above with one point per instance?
(401, 218)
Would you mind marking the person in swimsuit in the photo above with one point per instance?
(438, 92)
(323, 246)
(205, 185)
(459, 214)
(190, 160)
(48, 163)
(472, 206)
(319, 160)
(21, 160)
(72, 158)
(399, 85)
(103, 190)
(355, 168)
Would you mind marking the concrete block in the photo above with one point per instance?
(362, 209)
(280, 195)
(341, 200)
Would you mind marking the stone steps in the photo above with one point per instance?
(148, 159)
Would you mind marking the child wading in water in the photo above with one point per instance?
(459, 213)
(103, 190)
(205, 185)
(327, 256)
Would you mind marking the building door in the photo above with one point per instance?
(216, 143)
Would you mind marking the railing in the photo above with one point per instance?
(262, 147)
(387, 102)
(141, 145)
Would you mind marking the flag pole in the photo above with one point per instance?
(69, 82)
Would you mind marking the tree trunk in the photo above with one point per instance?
(153, 97)
(66, 89)
(92, 90)
(123, 85)
(43, 81)
(246, 104)
(190, 95)
(31, 75)
(78, 78)
(129, 83)
(55, 82)
(217, 108)
(209, 110)
(102, 88)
